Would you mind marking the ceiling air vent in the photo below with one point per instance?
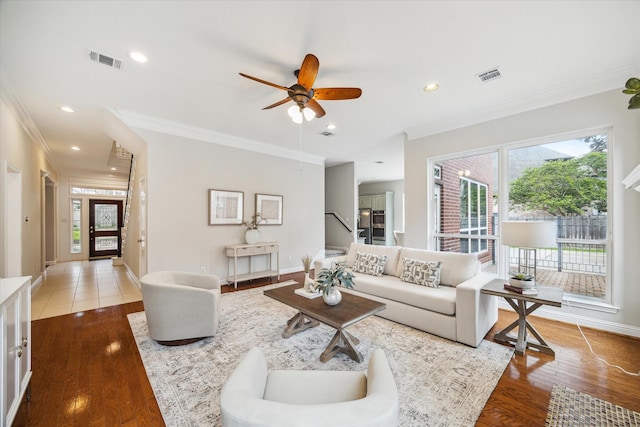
(104, 59)
(327, 133)
(489, 75)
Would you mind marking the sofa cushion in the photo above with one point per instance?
(440, 300)
(425, 273)
(392, 253)
(455, 268)
(369, 263)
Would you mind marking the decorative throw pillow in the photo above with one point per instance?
(369, 264)
(425, 273)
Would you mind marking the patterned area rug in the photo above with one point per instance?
(573, 408)
(440, 382)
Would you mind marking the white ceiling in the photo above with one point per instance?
(547, 52)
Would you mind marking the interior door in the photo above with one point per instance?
(105, 220)
(142, 240)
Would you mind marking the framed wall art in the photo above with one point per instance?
(269, 207)
(226, 207)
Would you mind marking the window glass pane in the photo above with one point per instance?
(76, 226)
(98, 191)
(483, 206)
(464, 204)
(106, 243)
(565, 182)
(473, 204)
(106, 217)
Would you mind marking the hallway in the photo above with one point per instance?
(70, 287)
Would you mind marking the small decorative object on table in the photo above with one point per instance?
(252, 235)
(521, 291)
(521, 280)
(309, 284)
(329, 278)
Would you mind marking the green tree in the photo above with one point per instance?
(563, 188)
(596, 142)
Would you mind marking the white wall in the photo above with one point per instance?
(340, 196)
(180, 172)
(602, 110)
(18, 149)
(397, 187)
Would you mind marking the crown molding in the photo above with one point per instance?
(579, 88)
(26, 122)
(141, 121)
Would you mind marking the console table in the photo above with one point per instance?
(250, 250)
(545, 296)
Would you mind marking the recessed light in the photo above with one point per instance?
(138, 57)
(431, 87)
(75, 148)
(66, 109)
(331, 126)
(114, 169)
(378, 162)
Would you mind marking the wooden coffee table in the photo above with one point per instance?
(312, 312)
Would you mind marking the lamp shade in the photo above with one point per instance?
(529, 234)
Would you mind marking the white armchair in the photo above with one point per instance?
(181, 307)
(256, 397)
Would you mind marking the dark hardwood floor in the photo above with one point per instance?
(87, 372)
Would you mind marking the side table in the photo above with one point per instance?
(234, 252)
(545, 296)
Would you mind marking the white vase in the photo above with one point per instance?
(252, 236)
(524, 284)
(309, 284)
(332, 296)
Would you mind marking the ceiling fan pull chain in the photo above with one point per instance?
(300, 147)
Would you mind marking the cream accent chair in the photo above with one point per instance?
(181, 308)
(254, 396)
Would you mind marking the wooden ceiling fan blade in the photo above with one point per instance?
(313, 105)
(337, 93)
(284, 101)
(264, 82)
(308, 71)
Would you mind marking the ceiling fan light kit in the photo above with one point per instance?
(304, 95)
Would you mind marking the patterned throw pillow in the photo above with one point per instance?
(369, 264)
(425, 273)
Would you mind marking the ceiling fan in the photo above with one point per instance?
(303, 93)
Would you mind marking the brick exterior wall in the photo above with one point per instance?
(480, 169)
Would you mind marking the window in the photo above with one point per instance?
(98, 191)
(473, 215)
(76, 226)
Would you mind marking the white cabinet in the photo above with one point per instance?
(364, 201)
(379, 202)
(15, 319)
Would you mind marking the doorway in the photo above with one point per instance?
(105, 222)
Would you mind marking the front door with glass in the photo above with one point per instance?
(105, 220)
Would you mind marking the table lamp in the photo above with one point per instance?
(526, 236)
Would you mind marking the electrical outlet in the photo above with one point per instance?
(203, 269)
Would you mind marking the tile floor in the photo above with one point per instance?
(70, 287)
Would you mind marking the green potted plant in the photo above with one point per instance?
(632, 87)
(252, 234)
(329, 278)
(521, 280)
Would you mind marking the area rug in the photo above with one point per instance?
(440, 382)
(569, 407)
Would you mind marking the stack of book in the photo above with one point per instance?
(523, 291)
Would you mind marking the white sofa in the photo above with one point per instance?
(253, 396)
(455, 310)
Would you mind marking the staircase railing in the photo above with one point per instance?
(127, 206)
(340, 220)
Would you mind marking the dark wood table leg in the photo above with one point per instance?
(298, 323)
(342, 342)
(521, 342)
